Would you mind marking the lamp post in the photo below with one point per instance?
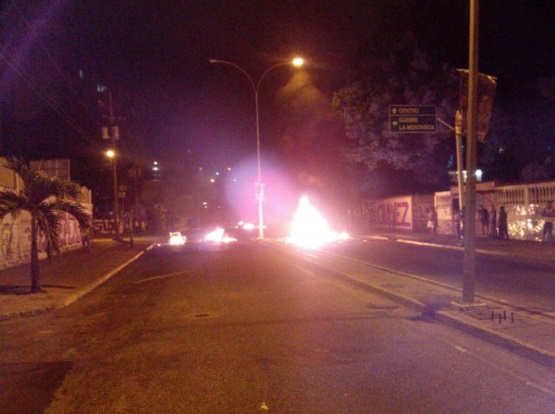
(297, 62)
(112, 155)
(111, 132)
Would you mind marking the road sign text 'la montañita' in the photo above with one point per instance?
(407, 119)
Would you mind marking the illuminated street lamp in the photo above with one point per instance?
(111, 132)
(297, 62)
(112, 155)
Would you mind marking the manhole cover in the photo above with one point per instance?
(202, 315)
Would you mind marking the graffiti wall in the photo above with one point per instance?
(15, 239)
(523, 203)
(103, 226)
(15, 234)
(444, 208)
(398, 213)
(394, 213)
(15, 242)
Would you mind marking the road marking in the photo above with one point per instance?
(477, 355)
(159, 277)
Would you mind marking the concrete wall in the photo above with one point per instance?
(15, 239)
(15, 233)
(523, 203)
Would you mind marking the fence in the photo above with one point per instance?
(524, 204)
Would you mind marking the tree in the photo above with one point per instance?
(45, 199)
(398, 73)
(500, 155)
(537, 143)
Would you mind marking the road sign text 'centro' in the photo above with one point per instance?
(412, 119)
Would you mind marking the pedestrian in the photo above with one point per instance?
(548, 214)
(484, 220)
(493, 222)
(432, 220)
(503, 225)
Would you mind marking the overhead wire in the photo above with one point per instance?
(53, 61)
(41, 93)
(45, 97)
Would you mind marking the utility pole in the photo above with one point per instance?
(458, 143)
(469, 266)
(112, 132)
(133, 211)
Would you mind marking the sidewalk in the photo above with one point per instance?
(525, 250)
(66, 278)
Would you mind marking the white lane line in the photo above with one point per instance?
(159, 277)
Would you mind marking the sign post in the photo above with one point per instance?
(412, 119)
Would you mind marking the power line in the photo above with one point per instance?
(51, 59)
(41, 93)
(44, 96)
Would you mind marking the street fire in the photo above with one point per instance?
(310, 229)
(218, 236)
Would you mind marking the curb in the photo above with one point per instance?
(87, 289)
(523, 349)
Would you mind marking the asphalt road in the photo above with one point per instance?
(524, 284)
(244, 329)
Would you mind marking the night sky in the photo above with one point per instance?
(153, 56)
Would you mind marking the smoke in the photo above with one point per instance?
(301, 96)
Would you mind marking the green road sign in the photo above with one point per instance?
(409, 119)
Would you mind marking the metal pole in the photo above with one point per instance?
(469, 267)
(116, 204)
(458, 143)
(258, 155)
(259, 184)
(114, 166)
(133, 211)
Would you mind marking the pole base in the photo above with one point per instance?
(466, 306)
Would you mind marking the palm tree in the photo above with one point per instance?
(45, 199)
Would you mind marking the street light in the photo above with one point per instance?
(112, 155)
(297, 62)
(111, 132)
